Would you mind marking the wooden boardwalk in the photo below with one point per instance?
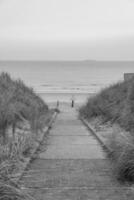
(74, 166)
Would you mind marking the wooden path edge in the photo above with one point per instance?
(96, 135)
(33, 155)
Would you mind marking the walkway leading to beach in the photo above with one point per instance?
(74, 166)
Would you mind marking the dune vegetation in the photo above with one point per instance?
(23, 116)
(115, 104)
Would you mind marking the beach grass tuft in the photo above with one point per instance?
(122, 156)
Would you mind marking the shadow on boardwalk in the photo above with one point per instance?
(74, 166)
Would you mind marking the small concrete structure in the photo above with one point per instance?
(128, 76)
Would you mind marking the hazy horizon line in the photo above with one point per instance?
(88, 60)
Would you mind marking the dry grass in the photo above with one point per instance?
(122, 155)
(9, 190)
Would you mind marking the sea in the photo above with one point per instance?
(66, 80)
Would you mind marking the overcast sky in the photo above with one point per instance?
(67, 29)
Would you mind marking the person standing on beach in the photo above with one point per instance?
(72, 102)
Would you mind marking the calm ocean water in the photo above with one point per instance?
(62, 80)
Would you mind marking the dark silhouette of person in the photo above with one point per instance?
(72, 103)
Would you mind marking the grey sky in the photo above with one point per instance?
(67, 29)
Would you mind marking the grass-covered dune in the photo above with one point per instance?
(18, 103)
(23, 116)
(115, 104)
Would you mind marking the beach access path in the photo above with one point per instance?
(74, 165)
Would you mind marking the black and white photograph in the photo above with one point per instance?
(66, 99)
